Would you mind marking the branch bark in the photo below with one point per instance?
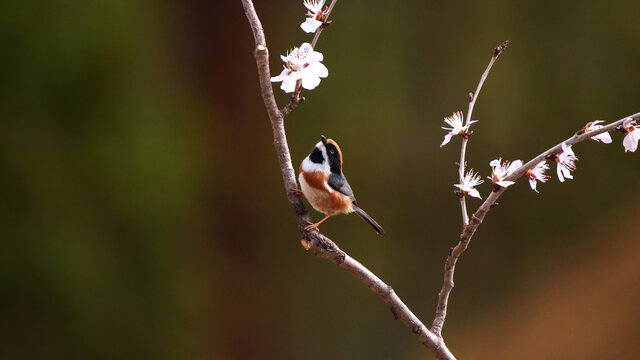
(472, 101)
(481, 212)
(315, 242)
(443, 295)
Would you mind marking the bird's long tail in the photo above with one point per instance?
(368, 219)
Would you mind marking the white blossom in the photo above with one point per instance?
(456, 121)
(631, 135)
(315, 15)
(304, 64)
(502, 171)
(566, 163)
(537, 173)
(593, 125)
(468, 183)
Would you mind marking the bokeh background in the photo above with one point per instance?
(143, 216)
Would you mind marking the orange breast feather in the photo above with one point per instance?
(321, 198)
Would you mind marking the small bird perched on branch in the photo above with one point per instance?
(325, 187)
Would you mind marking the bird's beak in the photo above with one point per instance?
(324, 140)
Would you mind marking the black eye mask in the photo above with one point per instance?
(334, 159)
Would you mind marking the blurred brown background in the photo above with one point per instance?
(142, 211)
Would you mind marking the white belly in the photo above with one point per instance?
(318, 199)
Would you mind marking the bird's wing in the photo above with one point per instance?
(340, 184)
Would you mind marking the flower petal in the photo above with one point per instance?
(533, 184)
(630, 142)
(314, 56)
(562, 157)
(318, 69)
(564, 173)
(306, 48)
(603, 138)
(310, 81)
(475, 193)
(446, 140)
(289, 84)
(285, 72)
(559, 172)
(310, 25)
(505, 183)
(309, 5)
(514, 166)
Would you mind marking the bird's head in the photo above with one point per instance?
(327, 153)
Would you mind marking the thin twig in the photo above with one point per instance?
(478, 216)
(325, 19)
(296, 98)
(443, 296)
(472, 101)
(314, 241)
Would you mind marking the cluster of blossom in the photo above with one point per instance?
(565, 160)
(303, 63)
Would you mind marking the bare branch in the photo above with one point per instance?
(443, 296)
(326, 249)
(488, 204)
(313, 241)
(472, 101)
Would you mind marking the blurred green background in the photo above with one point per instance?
(143, 215)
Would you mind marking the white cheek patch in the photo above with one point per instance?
(325, 163)
(308, 165)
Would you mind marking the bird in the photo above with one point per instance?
(325, 186)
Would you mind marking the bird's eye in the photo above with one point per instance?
(332, 151)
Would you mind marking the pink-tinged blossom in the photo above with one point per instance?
(537, 174)
(502, 171)
(603, 138)
(456, 121)
(631, 135)
(468, 183)
(315, 15)
(566, 163)
(304, 64)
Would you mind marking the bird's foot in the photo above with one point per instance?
(297, 193)
(311, 226)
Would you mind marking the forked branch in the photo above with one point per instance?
(472, 101)
(481, 212)
(315, 242)
(323, 247)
